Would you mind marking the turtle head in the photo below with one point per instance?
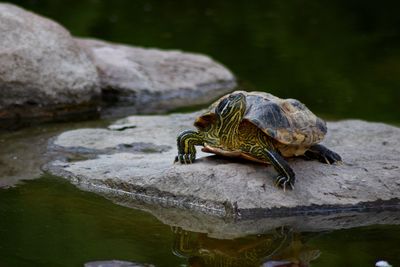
(229, 112)
(232, 106)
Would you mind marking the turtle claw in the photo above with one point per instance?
(278, 180)
(185, 158)
(284, 182)
(332, 158)
(323, 154)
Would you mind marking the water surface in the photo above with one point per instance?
(49, 222)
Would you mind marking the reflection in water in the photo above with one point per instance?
(280, 247)
(49, 222)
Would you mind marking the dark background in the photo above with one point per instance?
(341, 58)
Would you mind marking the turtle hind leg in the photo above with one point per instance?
(323, 154)
(186, 151)
(286, 176)
(257, 144)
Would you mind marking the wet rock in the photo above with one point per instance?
(153, 80)
(44, 74)
(23, 152)
(368, 179)
(225, 228)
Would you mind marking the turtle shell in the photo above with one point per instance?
(288, 121)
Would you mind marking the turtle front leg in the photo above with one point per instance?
(186, 141)
(323, 154)
(286, 176)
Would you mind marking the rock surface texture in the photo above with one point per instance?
(153, 80)
(43, 71)
(137, 163)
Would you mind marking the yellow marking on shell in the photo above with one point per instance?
(291, 141)
(284, 135)
(299, 138)
(291, 150)
(288, 107)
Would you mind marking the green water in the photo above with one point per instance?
(48, 222)
(341, 58)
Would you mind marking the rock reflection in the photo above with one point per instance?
(281, 247)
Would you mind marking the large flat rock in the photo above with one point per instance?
(137, 163)
(44, 73)
(144, 80)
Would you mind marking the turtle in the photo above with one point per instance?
(252, 250)
(260, 127)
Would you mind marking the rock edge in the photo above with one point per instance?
(367, 180)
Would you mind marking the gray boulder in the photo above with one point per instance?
(136, 163)
(153, 80)
(43, 72)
